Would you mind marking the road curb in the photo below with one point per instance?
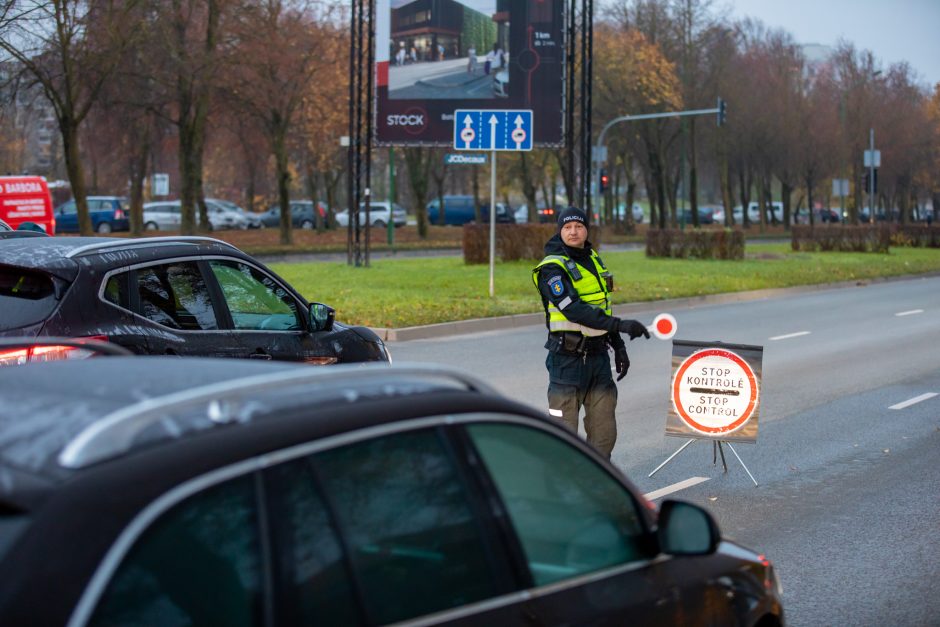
(500, 323)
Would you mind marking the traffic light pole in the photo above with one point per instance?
(652, 116)
(720, 111)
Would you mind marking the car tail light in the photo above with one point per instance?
(118, 214)
(46, 352)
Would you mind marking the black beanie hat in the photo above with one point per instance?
(571, 214)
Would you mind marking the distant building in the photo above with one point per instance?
(432, 30)
(28, 129)
(817, 57)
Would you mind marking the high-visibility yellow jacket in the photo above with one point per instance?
(591, 289)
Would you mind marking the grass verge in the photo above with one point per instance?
(398, 293)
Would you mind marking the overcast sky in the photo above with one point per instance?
(894, 30)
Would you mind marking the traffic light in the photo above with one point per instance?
(604, 181)
(722, 112)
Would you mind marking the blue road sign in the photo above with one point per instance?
(492, 130)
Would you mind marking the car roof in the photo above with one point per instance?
(82, 413)
(59, 255)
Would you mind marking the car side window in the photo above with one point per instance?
(255, 300)
(198, 564)
(175, 295)
(69, 207)
(415, 544)
(115, 290)
(571, 516)
(315, 586)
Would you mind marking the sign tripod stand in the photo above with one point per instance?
(716, 450)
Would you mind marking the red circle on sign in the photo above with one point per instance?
(664, 326)
(518, 135)
(687, 419)
(467, 135)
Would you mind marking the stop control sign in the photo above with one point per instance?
(714, 392)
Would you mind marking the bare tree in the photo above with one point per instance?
(50, 42)
(280, 52)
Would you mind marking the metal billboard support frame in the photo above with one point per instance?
(579, 51)
(716, 449)
(359, 153)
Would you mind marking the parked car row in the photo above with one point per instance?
(167, 216)
(459, 210)
(381, 214)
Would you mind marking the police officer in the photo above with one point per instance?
(575, 287)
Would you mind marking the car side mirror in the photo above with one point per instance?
(686, 529)
(321, 317)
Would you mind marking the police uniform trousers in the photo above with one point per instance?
(577, 379)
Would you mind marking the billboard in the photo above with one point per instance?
(436, 56)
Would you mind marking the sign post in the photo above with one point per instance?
(496, 131)
(714, 395)
(872, 161)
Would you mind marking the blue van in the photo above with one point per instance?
(458, 210)
(108, 214)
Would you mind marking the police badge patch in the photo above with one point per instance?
(555, 284)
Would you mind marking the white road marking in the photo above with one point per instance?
(914, 401)
(909, 313)
(669, 489)
(789, 335)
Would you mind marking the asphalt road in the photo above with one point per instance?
(848, 450)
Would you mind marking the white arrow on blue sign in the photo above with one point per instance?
(493, 130)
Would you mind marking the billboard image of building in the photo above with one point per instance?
(436, 56)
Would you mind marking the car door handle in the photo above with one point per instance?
(260, 355)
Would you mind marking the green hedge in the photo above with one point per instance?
(523, 241)
(695, 243)
(513, 241)
(841, 238)
(915, 235)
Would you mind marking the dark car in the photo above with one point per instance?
(182, 296)
(459, 210)
(25, 229)
(705, 216)
(301, 214)
(108, 214)
(154, 491)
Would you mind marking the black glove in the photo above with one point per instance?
(633, 328)
(621, 361)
